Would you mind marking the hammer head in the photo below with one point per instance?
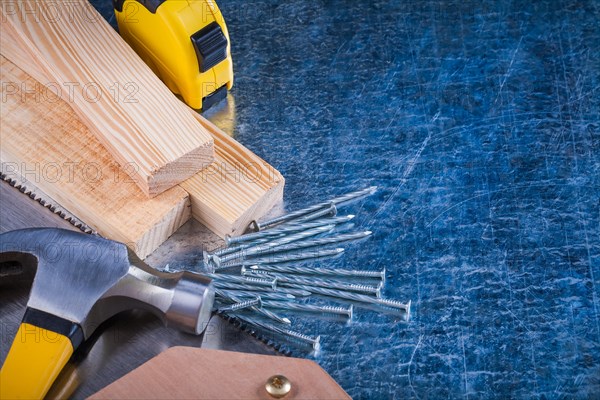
(86, 279)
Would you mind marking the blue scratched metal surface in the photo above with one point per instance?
(480, 123)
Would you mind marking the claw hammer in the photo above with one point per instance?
(80, 281)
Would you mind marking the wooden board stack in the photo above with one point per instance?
(41, 130)
(146, 129)
(45, 145)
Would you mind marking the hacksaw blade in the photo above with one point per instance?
(26, 187)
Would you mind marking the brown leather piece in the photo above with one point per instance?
(192, 373)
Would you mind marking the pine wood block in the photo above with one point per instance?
(191, 373)
(236, 189)
(44, 141)
(145, 128)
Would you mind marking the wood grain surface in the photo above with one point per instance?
(192, 373)
(127, 108)
(44, 143)
(235, 189)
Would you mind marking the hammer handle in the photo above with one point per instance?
(34, 361)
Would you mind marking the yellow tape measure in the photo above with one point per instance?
(185, 43)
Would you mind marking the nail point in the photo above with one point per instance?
(317, 343)
(215, 260)
(408, 310)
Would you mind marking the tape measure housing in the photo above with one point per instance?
(185, 43)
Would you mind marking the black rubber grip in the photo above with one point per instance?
(51, 322)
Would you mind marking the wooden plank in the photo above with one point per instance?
(226, 196)
(141, 123)
(236, 189)
(44, 142)
(192, 373)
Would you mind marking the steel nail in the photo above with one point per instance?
(242, 305)
(245, 280)
(286, 229)
(232, 249)
(241, 286)
(263, 295)
(360, 298)
(232, 287)
(317, 271)
(293, 291)
(264, 247)
(317, 211)
(299, 245)
(261, 311)
(283, 279)
(330, 211)
(345, 311)
(287, 257)
(344, 199)
(314, 342)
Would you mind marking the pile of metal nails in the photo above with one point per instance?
(257, 275)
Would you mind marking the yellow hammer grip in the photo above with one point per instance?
(34, 361)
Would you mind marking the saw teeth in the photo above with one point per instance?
(255, 333)
(46, 204)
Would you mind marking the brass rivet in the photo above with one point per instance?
(278, 386)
